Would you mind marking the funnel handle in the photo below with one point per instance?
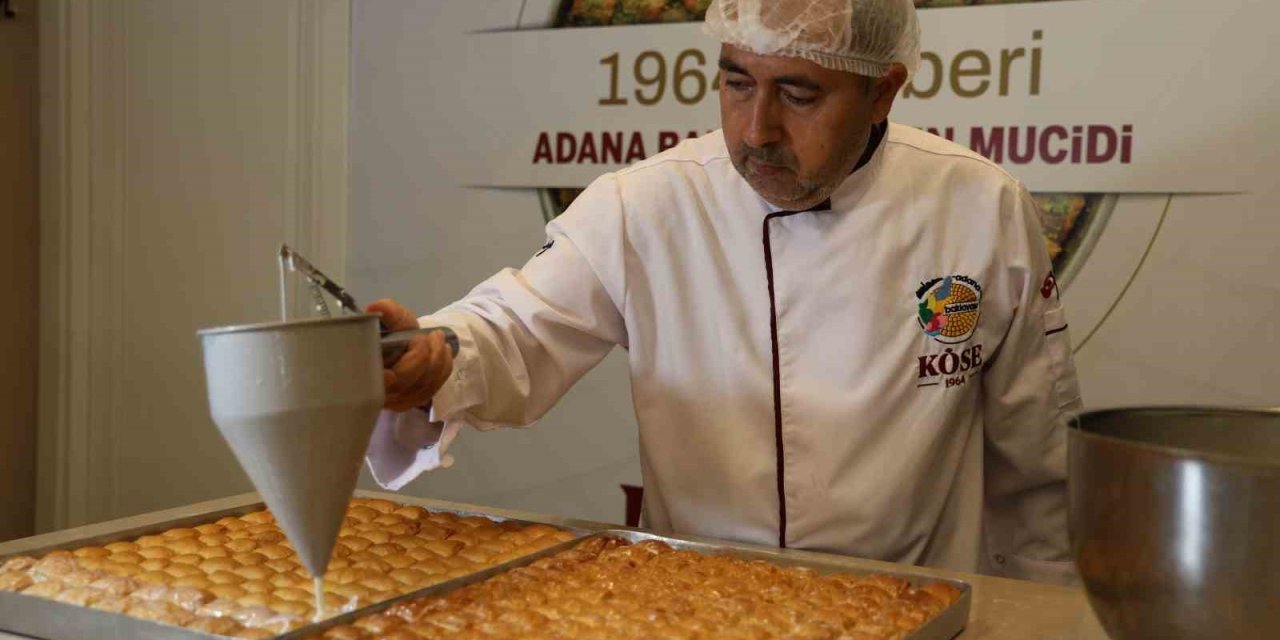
(395, 344)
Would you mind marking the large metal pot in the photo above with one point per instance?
(1175, 520)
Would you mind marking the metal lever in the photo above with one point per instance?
(395, 344)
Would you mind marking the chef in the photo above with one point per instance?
(844, 334)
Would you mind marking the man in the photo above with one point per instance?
(844, 335)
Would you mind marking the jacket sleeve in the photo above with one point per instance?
(1030, 391)
(525, 337)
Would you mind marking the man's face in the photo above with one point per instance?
(795, 129)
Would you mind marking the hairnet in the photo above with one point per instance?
(859, 36)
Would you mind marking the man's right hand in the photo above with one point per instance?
(425, 366)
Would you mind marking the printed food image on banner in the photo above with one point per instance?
(594, 13)
(1071, 222)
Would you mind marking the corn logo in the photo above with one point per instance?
(948, 308)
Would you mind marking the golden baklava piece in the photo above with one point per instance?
(239, 576)
(607, 588)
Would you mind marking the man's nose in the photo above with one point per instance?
(764, 127)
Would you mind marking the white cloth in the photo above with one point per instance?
(882, 453)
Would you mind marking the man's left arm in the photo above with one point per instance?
(1029, 393)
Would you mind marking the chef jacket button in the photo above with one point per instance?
(999, 559)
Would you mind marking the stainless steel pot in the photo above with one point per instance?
(1175, 520)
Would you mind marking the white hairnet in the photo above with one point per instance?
(859, 36)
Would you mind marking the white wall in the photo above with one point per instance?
(1198, 323)
(417, 236)
(181, 142)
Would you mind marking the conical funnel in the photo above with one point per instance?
(297, 402)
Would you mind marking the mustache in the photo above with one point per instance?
(774, 155)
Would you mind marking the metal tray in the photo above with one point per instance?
(317, 629)
(944, 626)
(47, 619)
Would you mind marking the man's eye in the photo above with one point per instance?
(738, 85)
(799, 101)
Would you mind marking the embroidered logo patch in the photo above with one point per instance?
(948, 308)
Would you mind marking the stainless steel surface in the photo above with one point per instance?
(945, 626)
(23, 617)
(1175, 520)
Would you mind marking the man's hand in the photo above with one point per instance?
(422, 370)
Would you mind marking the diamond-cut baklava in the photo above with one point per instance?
(607, 588)
(240, 577)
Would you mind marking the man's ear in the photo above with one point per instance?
(885, 90)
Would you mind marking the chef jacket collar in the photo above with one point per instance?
(873, 144)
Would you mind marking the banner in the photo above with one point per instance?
(1080, 96)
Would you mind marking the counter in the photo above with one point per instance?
(1002, 609)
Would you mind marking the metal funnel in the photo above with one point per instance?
(297, 402)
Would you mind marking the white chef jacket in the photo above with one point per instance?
(793, 382)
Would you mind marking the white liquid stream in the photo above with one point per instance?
(319, 588)
(284, 302)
